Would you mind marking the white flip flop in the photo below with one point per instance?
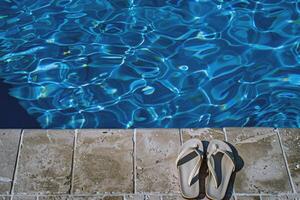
(188, 163)
(221, 165)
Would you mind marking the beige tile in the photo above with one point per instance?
(142, 197)
(88, 198)
(71, 198)
(156, 151)
(9, 141)
(202, 134)
(45, 162)
(24, 198)
(179, 197)
(5, 198)
(264, 168)
(172, 197)
(104, 161)
(282, 197)
(113, 198)
(152, 197)
(55, 198)
(134, 197)
(291, 144)
(248, 198)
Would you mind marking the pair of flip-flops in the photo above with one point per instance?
(220, 163)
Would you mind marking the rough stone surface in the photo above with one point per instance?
(55, 198)
(156, 152)
(9, 140)
(264, 168)
(282, 197)
(179, 197)
(24, 198)
(104, 161)
(113, 198)
(142, 197)
(248, 198)
(45, 162)
(172, 197)
(202, 134)
(291, 144)
(134, 197)
(4, 198)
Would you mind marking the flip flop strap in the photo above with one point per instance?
(211, 162)
(195, 171)
(194, 176)
(182, 158)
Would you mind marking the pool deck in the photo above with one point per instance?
(138, 164)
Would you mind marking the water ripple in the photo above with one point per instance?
(145, 63)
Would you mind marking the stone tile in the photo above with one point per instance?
(55, 198)
(72, 198)
(173, 197)
(104, 161)
(142, 197)
(134, 197)
(282, 197)
(248, 197)
(9, 141)
(264, 168)
(91, 198)
(156, 152)
(24, 198)
(45, 162)
(113, 198)
(151, 197)
(4, 198)
(291, 144)
(202, 134)
(179, 197)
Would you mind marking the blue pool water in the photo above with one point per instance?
(153, 63)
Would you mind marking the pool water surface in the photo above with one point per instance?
(153, 63)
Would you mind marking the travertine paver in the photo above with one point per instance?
(291, 144)
(9, 140)
(24, 198)
(202, 134)
(113, 198)
(172, 197)
(80, 198)
(156, 152)
(104, 161)
(142, 197)
(55, 198)
(282, 197)
(179, 197)
(264, 168)
(248, 198)
(45, 162)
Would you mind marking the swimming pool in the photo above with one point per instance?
(153, 63)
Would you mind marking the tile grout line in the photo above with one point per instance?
(285, 161)
(16, 164)
(134, 161)
(73, 162)
(225, 134)
(180, 136)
